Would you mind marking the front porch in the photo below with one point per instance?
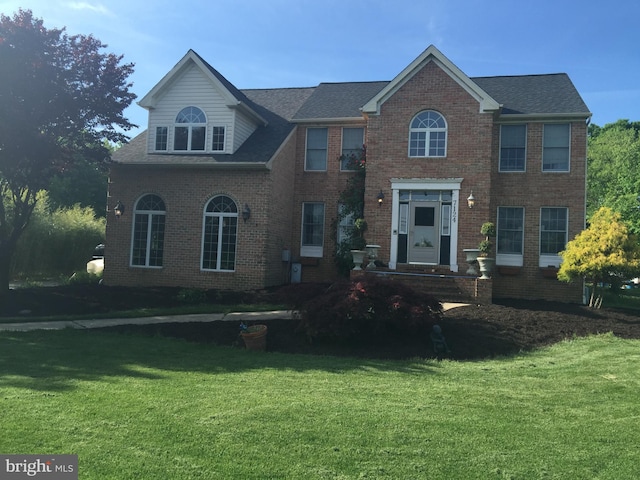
(438, 281)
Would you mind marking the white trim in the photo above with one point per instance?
(398, 184)
(316, 251)
(431, 54)
(306, 149)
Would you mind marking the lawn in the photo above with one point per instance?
(134, 407)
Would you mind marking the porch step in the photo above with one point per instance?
(442, 286)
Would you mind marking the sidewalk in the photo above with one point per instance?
(112, 322)
(200, 317)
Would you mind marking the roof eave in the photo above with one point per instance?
(541, 117)
(303, 121)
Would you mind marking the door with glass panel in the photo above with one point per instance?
(424, 232)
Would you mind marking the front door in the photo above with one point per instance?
(424, 233)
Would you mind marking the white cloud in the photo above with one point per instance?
(101, 9)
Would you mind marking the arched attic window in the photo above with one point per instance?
(428, 135)
(190, 130)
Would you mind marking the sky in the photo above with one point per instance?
(301, 43)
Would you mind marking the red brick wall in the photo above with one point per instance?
(319, 187)
(468, 153)
(186, 191)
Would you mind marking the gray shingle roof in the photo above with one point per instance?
(527, 94)
(338, 100)
(534, 94)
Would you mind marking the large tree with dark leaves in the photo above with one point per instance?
(60, 98)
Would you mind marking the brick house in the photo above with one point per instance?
(227, 187)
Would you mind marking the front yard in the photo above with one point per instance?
(136, 407)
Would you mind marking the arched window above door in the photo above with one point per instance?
(428, 135)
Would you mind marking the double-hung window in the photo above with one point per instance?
(345, 225)
(217, 144)
(147, 246)
(352, 148)
(161, 138)
(510, 236)
(555, 147)
(312, 229)
(553, 234)
(513, 148)
(190, 130)
(428, 135)
(219, 234)
(316, 158)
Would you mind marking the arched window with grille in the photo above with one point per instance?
(219, 234)
(147, 246)
(428, 135)
(190, 129)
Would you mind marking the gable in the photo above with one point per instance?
(432, 54)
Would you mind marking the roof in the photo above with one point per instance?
(282, 108)
(534, 94)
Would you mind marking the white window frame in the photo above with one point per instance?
(307, 150)
(150, 216)
(548, 148)
(312, 249)
(224, 138)
(190, 126)
(547, 259)
(510, 259)
(428, 131)
(348, 151)
(221, 216)
(166, 139)
(524, 147)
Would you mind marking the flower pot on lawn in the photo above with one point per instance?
(255, 337)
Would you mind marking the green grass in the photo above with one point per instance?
(623, 298)
(155, 408)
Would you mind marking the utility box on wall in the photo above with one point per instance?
(296, 272)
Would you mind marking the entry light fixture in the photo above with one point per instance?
(246, 212)
(471, 200)
(118, 210)
(380, 197)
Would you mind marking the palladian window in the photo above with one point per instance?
(190, 130)
(428, 135)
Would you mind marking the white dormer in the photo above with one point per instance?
(194, 110)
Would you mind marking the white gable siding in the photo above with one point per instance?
(193, 88)
(243, 129)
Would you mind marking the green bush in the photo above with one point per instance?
(372, 307)
(57, 242)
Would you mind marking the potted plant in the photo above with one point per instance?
(486, 262)
(254, 336)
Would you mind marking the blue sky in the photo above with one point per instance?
(300, 43)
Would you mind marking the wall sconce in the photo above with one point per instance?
(246, 212)
(471, 200)
(380, 198)
(118, 210)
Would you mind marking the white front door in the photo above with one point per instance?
(424, 233)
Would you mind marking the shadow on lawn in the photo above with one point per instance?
(55, 361)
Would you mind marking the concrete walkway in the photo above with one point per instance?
(200, 317)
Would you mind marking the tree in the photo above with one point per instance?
(603, 251)
(60, 99)
(613, 176)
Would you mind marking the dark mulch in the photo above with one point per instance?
(472, 332)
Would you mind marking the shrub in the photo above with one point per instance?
(372, 307)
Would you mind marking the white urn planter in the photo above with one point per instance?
(372, 252)
(472, 260)
(486, 267)
(358, 258)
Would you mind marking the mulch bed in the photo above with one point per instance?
(472, 332)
